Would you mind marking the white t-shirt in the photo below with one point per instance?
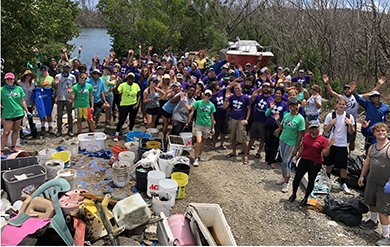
(340, 129)
(352, 105)
(311, 108)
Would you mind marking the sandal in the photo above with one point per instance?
(223, 146)
(257, 156)
(265, 163)
(231, 155)
(241, 152)
(246, 161)
(253, 147)
(212, 147)
(273, 166)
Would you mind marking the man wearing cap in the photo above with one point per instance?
(218, 64)
(225, 80)
(232, 66)
(352, 106)
(206, 79)
(287, 76)
(375, 110)
(53, 70)
(181, 117)
(195, 71)
(278, 75)
(367, 130)
(262, 79)
(155, 58)
(63, 85)
(303, 79)
(99, 99)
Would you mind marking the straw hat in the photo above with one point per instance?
(28, 72)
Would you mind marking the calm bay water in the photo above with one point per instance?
(95, 41)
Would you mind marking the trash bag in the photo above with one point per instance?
(355, 165)
(346, 211)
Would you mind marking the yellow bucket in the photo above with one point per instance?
(61, 156)
(153, 144)
(182, 180)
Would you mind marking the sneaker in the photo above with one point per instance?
(369, 224)
(195, 163)
(70, 133)
(50, 131)
(15, 149)
(344, 187)
(292, 198)
(280, 182)
(383, 241)
(304, 203)
(285, 187)
(200, 158)
(116, 138)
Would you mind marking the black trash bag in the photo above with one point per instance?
(355, 165)
(346, 211)
(352, 181)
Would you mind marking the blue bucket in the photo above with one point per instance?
(138, 134)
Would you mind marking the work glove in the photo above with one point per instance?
(387, 188)
(29, 114)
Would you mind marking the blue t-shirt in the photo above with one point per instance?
(98, 87)
(143, 85)
(168, 107)
(43, 102)
(373, 113)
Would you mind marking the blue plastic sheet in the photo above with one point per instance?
(60, 148)
(105, 154)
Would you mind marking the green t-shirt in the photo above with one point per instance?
(11, 100)
(129, 93)
(44, 82)
(203, 112)
(291, 127)
(82, 95)
(106, 82)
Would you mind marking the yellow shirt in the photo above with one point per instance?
(129, 93)
(201, 63)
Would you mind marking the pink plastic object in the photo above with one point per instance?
(71, 201)
(79, 233)
(181, 230)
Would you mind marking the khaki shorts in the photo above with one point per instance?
(374, 195)
(203, 131)
(237, 130)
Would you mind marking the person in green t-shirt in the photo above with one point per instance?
(293, 128)
(204, 124)
(13, 107)
(131, 98)
(106, 79)
(82, 97)
(44, 80)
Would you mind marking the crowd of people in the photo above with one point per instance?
(217, 98)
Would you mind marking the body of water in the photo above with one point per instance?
(95, 42)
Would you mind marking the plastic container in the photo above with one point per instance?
(170, 186)
(143, 148)
(69, 175)
(181, 159)
(187, 136)
(127, 156)
(163, 202)
(181, 164)
(136, 135)
(131, 212)
(181, 230)
(134, 147)
(116, 150)
(52, 167)
(182, 181)
(141, 177)
(11, 164)
(64, 156)
(120, 173)
(176, 143)
(45, 154)
(74, 149)
(92, 142)
(153, 132)
(165, 162)
(154, 178)
(34, 177)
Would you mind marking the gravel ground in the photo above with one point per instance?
(254, 206)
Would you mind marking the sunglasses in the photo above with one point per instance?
(247, 65)
(66, 67)
(83, 78)
(208, 95)
(116, 72)
(313, 89)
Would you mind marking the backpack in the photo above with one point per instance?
(327, 134)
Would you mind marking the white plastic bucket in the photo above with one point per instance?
(127, 156)
(159, 205)
(120, 173)
(181, 159)
(170, 186)
(52, 167)
(69, 175)
(74, 149)
(134, 147)
(154, 178)
(166, 165)
(153, 132)
(45, 155)
(187, 136)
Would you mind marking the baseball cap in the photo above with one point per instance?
(225, 66)
(314, 123)
(107, 67)
(179, 76)
(266, 84)
(182, 57)
(346, 86)
(293, 101)
(279, 68)
(231, 72)
(96, 71)
(124, 59)
(177, 84)
(373, 93)
(195, 64)
(154, 78)
(208, 91)
(211, 69)
(66, 64)
(155, 55)
(159, 67)
(131, 74)
(213, 78)
(201, 82)
(166, 76)
(301, 71)
(248, 64)
(53, 59)
(9, 75)
(149, 62)
(287, 69)
(44, 67)
(226, 75)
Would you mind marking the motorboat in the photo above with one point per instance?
(247, 51)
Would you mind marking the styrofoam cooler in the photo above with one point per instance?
(92, 142)
(154, 178)
(178, 148)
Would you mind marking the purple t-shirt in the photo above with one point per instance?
(249, 93)
(184, 86)
(303, 80)
(260, 105)
(279, 107)
(223, 85)
(284, 97)
(238, 106)
(217, 100)
(259, 82)
(197, 74)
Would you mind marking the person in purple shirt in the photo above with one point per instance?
(259, 104)
(271, 135)
(225, 68)
(285, 96)
(303, 79)
(248, 89)
(262, 79)
(226, 80)
(210, 73)
(195, 72)
(218, 64)
(240, 105)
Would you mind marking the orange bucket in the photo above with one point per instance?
(116, 150)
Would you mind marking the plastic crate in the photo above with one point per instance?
(136, 133)
(11, 164)
(15, 188)
(92, 142)
(143, 141)
(177, 147)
